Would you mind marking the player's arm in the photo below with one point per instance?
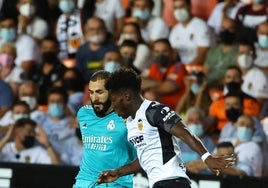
(112, 175)
(215, 163)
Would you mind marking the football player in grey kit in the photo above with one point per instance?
(152, 128)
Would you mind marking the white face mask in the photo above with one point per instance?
(245, 61)
(31, 101)
(96, 39)
(27, 9)
(181, 15)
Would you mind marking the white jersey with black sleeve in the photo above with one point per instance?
(157, 149)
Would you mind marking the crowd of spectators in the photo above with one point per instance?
(212, 71)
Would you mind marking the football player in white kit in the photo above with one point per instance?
(152, 129)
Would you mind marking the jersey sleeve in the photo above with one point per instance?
(161, 116)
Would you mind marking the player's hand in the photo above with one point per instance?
(107, 176)
(217, 163)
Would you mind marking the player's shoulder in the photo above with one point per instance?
(156, 110)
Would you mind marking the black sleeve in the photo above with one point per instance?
(161, 116)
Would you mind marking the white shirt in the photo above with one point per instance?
(156, 28)
(109, 11)
(187, 39)
(261, 57)
(27, 49)
(38, 28)
(255, 83)
(59, 133)
(250, 153)
(35, 154)
(37, 115)
(143, 57)
(214, 20)
(158, 152)
(15, 75)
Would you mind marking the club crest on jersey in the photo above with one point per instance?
(111, 125)
(140, 125)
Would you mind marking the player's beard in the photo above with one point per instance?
(102, 112)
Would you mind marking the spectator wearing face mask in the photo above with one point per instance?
(58, 123)
(128, 51)
(196, 93)
(112, 61)
(255, 82)
(262, 47)
(28, 94)
(195, 119)
(28, 22)
(10, 73)
(90, 54)
(49, 70)
(152, 27)
(26, 57)
(191, 44)
(131, 31)
(231, 83)
(23, 149)
(249, 17)
(223, 148)
(233, 105)
(164, 79)
(18, 111)
(222, 55)
(246, 148)
(69, 29)
(226, 8)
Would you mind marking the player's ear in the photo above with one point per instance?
(127, 96)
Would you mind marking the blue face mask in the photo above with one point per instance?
(263, 41)
(141, 14)
(66, 6)
(244, 134)
(7, 35)
(195, 88)
(55, 110)
(196, 129)
(20, 116)
(111, 66)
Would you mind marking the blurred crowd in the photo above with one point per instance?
(211, 69)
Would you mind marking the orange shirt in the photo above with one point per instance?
(174, 74)
(251, 107)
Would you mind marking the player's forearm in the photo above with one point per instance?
(180, 130)
(130, 168)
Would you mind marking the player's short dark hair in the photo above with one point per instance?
(100, 75)
(124, 79)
